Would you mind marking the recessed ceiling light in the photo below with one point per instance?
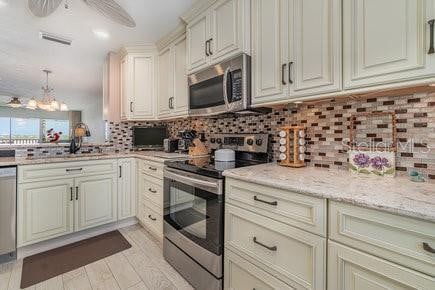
(3, 3)
(102, 34)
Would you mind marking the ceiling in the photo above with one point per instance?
(77, 69)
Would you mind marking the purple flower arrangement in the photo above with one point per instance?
(372, 163)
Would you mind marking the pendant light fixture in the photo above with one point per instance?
(14, 102)
(48, 101)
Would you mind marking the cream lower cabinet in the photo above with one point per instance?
(45, 210)
(127, 197)
(75, 196)
(96, 198)
(349, 269)
(262, 244)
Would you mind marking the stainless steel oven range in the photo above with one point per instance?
(194, 208)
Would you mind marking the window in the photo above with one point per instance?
(25, 130)
(5, 130)
(59, 126)
(31, 130)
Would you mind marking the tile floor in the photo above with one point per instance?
(140, 267)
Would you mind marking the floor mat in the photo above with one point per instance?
(46, 265)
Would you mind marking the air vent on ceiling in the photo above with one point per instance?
(54, 38)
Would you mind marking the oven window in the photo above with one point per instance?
(209, 93)
(195, 213)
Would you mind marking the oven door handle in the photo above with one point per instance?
(190, 180)
(226, 75)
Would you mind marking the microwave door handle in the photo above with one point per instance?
(226, 75)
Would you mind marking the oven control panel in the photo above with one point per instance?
(240, 142)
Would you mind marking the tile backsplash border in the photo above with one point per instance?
(327, 126)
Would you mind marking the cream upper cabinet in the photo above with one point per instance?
(197, 39)
(165, 81)
(127, 197)
(111, 88)
(386, 41)
(228, 26)
(172, 79)
(180, 102)
(296, 48)
(96, 198)
(45, 210)
(268, 51)
(314, 47)
(219, 32)
(138, 88)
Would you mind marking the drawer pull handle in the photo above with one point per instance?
(71, 197)
(152, 190)
(264, 201)
(152, 168)
(273, 249)
(428, 248)
(73, 169)
(151, 217)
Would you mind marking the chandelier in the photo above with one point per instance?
(48, 101)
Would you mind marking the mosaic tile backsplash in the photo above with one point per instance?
(327, 130)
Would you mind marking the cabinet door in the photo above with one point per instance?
(127, 198)
(142, 86)
(181, 101)
(385, 41)
(349, 269)
(125, 99)
(96, 201)
(314, 46)
(165, 81)
(197, 35)
(45, 210)
(269, 59)
(226, 28)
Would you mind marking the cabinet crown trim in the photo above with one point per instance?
(142, 48)
(172, 36)
(197, 8)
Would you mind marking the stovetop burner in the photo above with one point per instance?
(248, 153)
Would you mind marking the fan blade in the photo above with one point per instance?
(43, 8)
(112, 10)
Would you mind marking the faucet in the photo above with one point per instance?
(80, 130)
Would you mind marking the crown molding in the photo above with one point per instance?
(197, 8)
(178, 32)
(137, 48)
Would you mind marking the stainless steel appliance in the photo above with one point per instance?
(8, 212)
(170, 145)
(222, 88)
(149, 137)
(194, 208)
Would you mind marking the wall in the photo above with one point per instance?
(327, 126)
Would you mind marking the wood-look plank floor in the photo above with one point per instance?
(142, 267)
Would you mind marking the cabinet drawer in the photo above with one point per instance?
(395, 238)
(151, 168)
(296, 257)
(305, 212)
(151, 188)
(242, 275)
(40, 172)
(350, 269)
(153, 221)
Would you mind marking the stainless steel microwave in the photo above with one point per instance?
(222, 88)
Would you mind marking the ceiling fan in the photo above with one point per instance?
(108, 8)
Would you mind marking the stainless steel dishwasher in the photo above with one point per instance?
(8, 213)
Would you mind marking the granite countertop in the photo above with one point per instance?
(157, 156)
(395, 195)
